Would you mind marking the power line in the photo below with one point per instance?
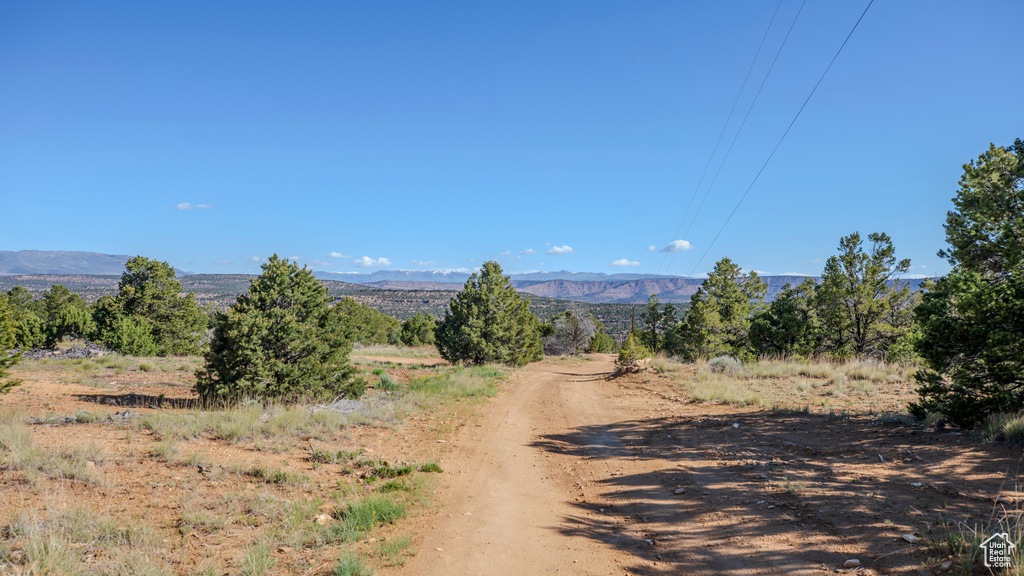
(724, 126)
(742, 124)
(818, 83)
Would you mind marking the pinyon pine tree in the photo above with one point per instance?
(864, 306)
(489, 322)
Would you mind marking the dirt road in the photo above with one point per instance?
(513, 506)
(569, 471)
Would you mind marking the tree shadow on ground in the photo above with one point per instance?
(777, 492)
(132, 400)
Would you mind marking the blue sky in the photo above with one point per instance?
(546, 135)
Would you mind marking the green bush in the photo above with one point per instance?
(387, 384)
(902, 351)
(418, 330)
(630, 353)
(603, 343)
(726, 365)
(361, 323)
(131, 336)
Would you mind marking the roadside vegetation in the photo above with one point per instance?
(272, 486)
(824, 386)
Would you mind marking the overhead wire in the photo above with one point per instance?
(784, 134)
(740, 129)
(724, 126)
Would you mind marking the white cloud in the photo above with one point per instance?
(652, 248)
(676, 246)
(505, 253)
(624, 262)
(204, 206)
(423, 262)
(338, 255)
(559, 250)
(257, 259)
(527, 252)
(189, 206)
(295, 258)
(320, 263)
(367, 262)
(915, 276)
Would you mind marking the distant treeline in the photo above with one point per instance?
(859, 308)
(151, 314)
(219, 291)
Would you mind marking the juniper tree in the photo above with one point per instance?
(418, 330)
(654, 320)
(67, 314)
(971, 321)
(279, 341)
(789, 325)
(28, 316)
(8, 359)
(489, 322)
(364, 324)
(718, 320)
(149, 293)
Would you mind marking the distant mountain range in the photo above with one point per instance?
(27, 262)
(668, 289)
(60, 262)
(579, 286)
(454, 277)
